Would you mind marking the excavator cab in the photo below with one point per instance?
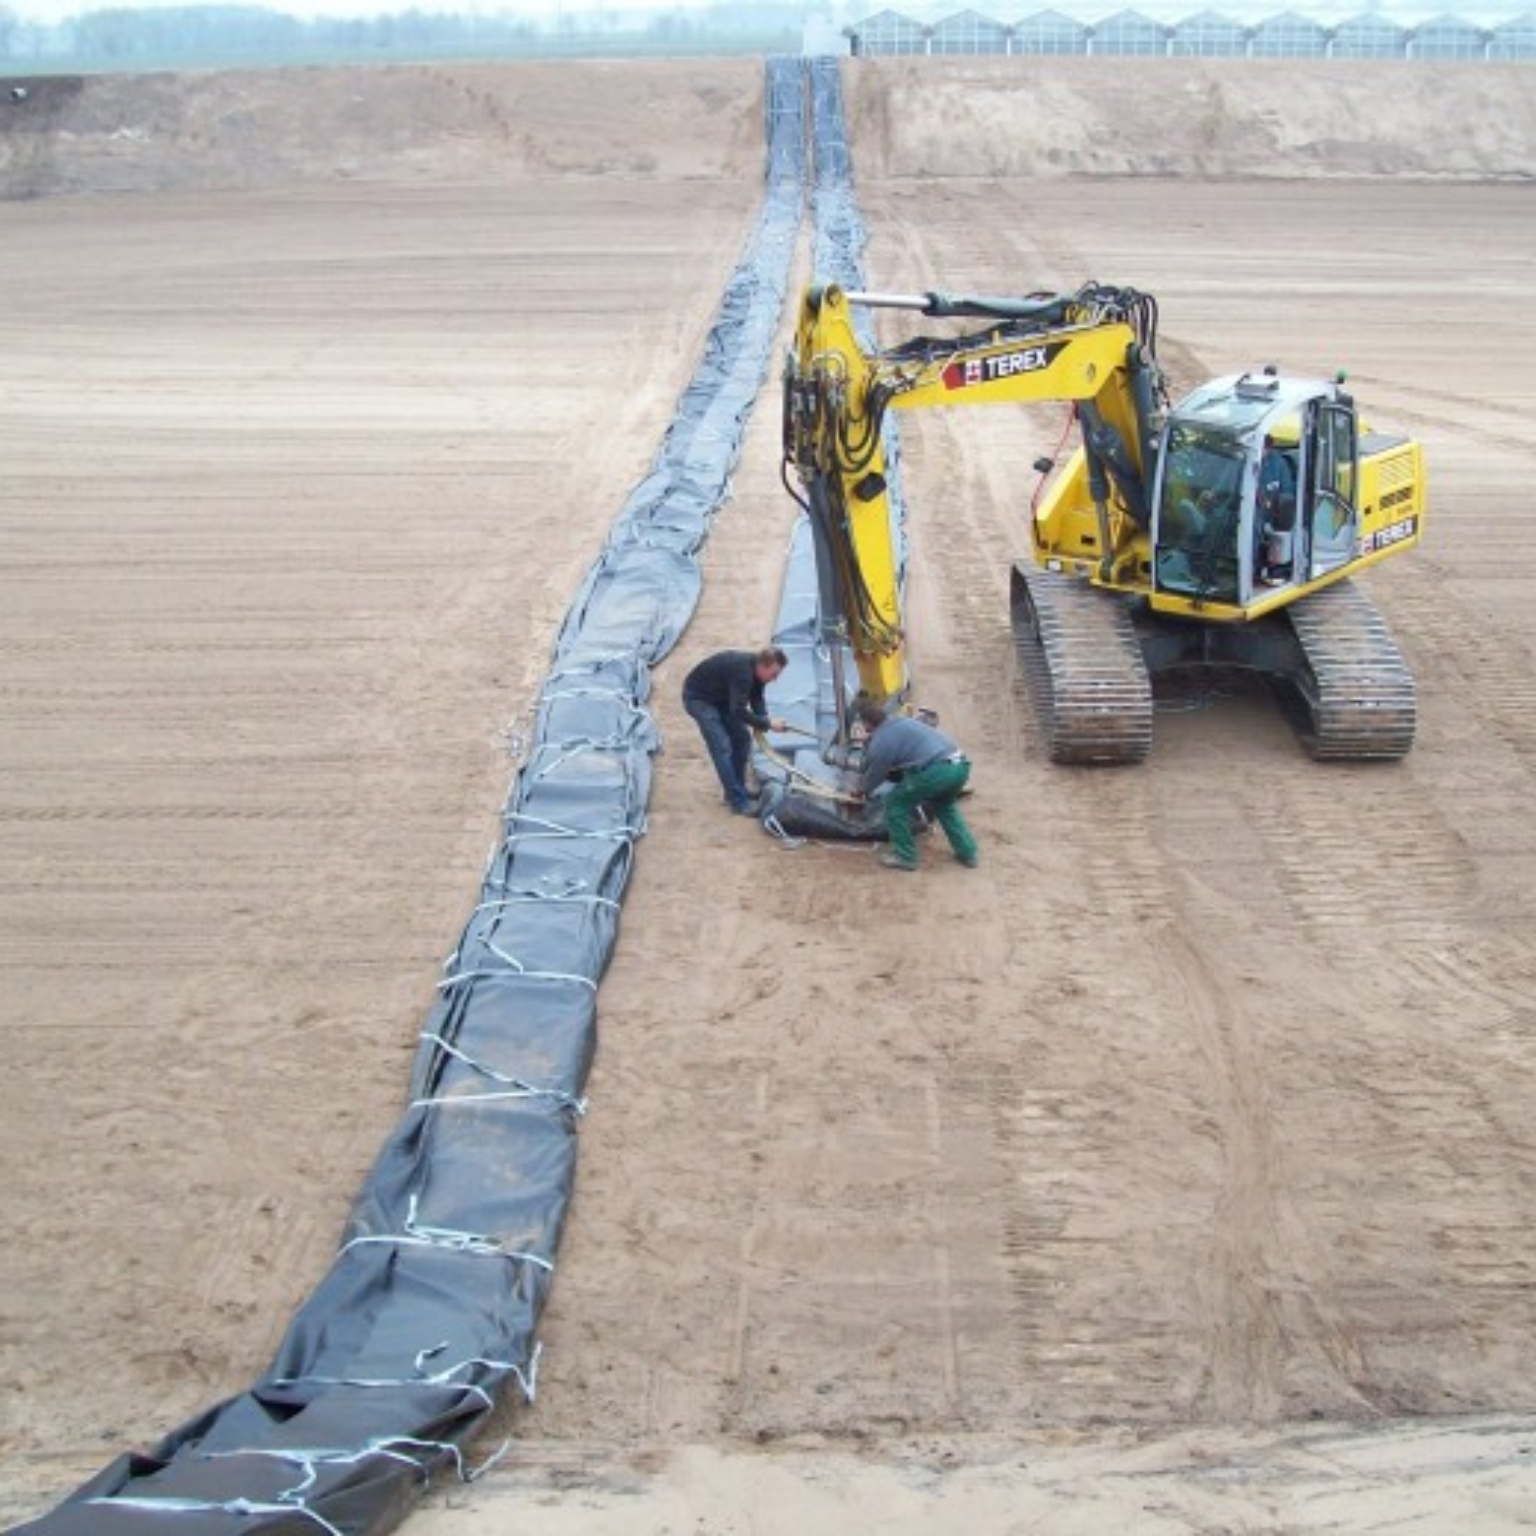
(1255, 488)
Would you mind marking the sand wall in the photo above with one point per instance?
(952, 117)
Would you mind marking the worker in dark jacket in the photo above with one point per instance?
(724, 695)
(923, 767)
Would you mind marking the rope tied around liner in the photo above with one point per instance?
(527, 1381)
(518, 973)
(515, 967)
(579, 745)
(521, 1089)
(294, 1501)
(519, 731)
(550, 887)
(416, 1235)
(518, 898)
(559, 829)
(184, 1506)
(620, 696)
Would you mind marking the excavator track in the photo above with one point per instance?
(1084, 669)
(1357, 690)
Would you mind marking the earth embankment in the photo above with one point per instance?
(911, 118)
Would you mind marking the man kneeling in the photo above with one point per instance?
(924, 767)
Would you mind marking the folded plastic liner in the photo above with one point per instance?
(801, 791)
(427, 1317)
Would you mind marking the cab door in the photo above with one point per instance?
(1333, 517)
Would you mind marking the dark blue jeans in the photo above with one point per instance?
(730, 748)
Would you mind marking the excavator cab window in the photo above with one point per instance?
(1200, 512)
(1277, 497)
(1334, 520)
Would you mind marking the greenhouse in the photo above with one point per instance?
(1207, 34)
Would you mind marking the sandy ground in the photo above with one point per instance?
(1173, 1171)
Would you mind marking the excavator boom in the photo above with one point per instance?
(1092, 348)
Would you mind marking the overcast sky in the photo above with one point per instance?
(59, 10)
(1406, 10)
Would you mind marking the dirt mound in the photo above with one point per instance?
(132, 133)
(1188, 117)
(702, 119)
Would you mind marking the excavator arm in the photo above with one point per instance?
(1093, 349)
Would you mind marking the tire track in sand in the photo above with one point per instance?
(1264, 1306)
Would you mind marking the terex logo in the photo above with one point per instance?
(1000, 365)
(1393, 533)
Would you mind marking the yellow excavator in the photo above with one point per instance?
(1218, 532)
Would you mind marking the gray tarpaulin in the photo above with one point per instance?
(428, 1314)
(806, 692)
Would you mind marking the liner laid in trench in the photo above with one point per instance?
(430, 1308)
(798, 802)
